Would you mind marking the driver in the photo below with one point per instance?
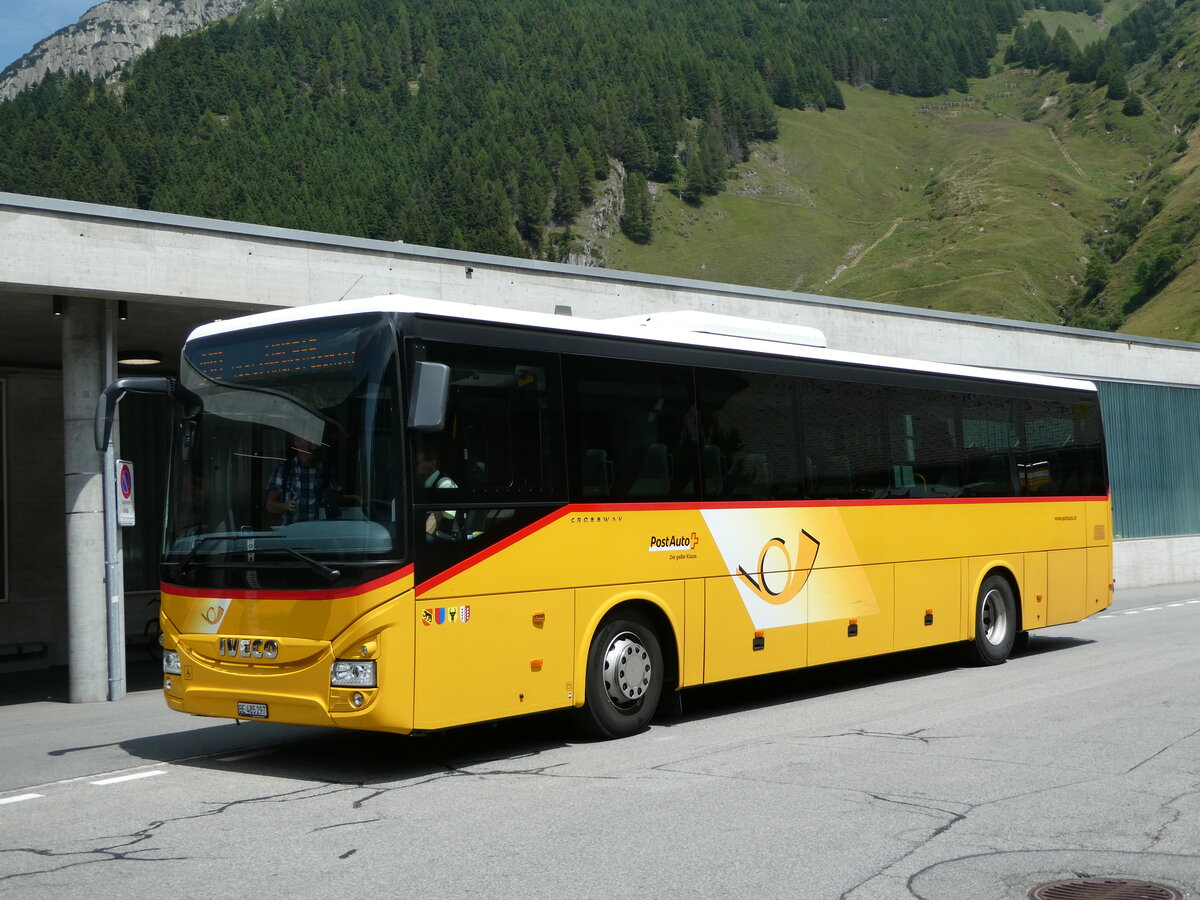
(303, 486)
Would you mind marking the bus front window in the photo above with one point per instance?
(289, 478)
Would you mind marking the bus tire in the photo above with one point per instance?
(995, 622)
(624, 678)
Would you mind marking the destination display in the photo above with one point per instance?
(278, 356)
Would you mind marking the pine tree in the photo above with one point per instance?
(585, 169)
(637, 221)
(1118, 88)
(567, 200)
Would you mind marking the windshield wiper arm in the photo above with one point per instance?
(329, 574)
(184, 564)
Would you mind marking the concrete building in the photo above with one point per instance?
(83, 287)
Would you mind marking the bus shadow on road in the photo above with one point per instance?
(764, 691)
(332, 756)
(520, 745)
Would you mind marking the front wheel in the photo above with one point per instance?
(995, 622)
(624, 678)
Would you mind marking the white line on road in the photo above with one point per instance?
(136, 775)
(1113, 613)
(20, 798)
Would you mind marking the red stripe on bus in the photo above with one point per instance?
(327, 594)
(824, 504)
(475, 559)
(602, 508)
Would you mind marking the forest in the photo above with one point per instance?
(483, 125)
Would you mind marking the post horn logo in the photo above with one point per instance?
(795, 570)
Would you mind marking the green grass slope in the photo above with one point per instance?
(1174, 310)
(955, 203)
(990, 203)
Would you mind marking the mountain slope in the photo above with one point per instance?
(967, 208)
(109, 35)
(1001, 201)
(879, 150)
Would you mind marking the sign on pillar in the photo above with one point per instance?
(125, 515)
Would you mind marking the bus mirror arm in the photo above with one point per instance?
(430, 391)
(106, 405)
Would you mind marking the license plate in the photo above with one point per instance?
(252, 710)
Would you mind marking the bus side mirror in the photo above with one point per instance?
(430, 391)
(106, 405)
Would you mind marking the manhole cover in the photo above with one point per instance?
(1103, 889)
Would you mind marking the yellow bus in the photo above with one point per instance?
(405, 515)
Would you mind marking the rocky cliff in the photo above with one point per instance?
(109, 35)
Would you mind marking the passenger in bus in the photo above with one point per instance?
(304, 487)
(441, 522)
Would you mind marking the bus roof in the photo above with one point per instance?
(695, 329)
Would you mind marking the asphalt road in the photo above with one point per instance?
(906, 776)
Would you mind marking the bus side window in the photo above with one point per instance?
(631, 430)
(925, 445)
(1064, 449)
(750, 437)
(845, 440)
(989, 447)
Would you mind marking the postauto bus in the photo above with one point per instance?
(398, 514)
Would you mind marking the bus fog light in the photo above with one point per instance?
(357, 700)
(171, 663)
(352, 673)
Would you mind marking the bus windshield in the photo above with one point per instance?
(289, 477)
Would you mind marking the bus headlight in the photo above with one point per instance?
(171, 663)
(352, 673)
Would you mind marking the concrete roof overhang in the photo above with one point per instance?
(176, 272)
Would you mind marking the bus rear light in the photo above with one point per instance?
(171, 663)
(352, 673)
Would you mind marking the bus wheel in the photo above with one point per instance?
(624, 677)
(995, 622)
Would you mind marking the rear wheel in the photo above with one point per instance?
(995, 622)
(624, 677)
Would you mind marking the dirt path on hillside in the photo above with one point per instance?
(989, 274)
(854, 262)
(887, 234)
(1063, 150)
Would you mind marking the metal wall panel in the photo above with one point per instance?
(1153, 437)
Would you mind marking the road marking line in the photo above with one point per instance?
(20, 798)
(107, 781)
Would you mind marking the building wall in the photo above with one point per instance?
(35, 612)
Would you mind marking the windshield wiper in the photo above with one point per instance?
(181, 568)
(329, 574)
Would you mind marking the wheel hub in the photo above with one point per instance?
(995, 618)
(627, 669)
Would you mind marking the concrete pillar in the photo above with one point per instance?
(84, 377)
